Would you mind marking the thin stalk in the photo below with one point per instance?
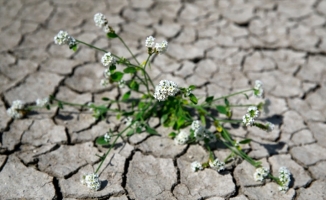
(111, 146)
(89, 45)
(134, 57)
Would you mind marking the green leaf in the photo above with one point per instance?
(172, 135)
(138, 130)
(116, 76)
(151, 130)
(192, 87)
(48, 107)
(246, 95)
(112, 35)
(101, 141)
(130, 132)
(60, 105)
(105, 99)
(209, 100)
(126, 96)
(73, 47)
(227, 103)
(203, 120)
(193, 98)
(134, 85)
(112, 68)
(225, 134)
(129, 70)
(245, 141)
(222, 109)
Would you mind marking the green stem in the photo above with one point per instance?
(134, 57)
(233, 94)
(111, 146)
(89, 45)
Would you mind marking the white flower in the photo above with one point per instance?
(258, 89)
(108, 59)
(270, 127)
(127, 120)
(284, 178)
(16, 110)
(64, 38)
(199, 133)
(91, 181)
(195, 166)
(104, 82)
(100, 20)
(161, 47)
(181, 138)
(261, 173)
(248, 120)
(122, 84)
(107, 137)
(195, 125)
(42, 102)
(253, 111)
(165, 89)
(107, 73)
(217, 165)
(150, 42)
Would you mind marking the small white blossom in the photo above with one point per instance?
(165, 89)
(150, 42)
(42, 102)
(107, 73)
(127, 120)
(64, 38)
(100, 20)
(122, 84)
(107, 137)
(182, 138)
(161, 47)
(195, 125)
(253, 111)
(217, 165)
(195, 166)
(104, 82)
(261, 173)
(91, 181)
(248, 120)
(285, 178)
(270, 127)
(16, 109)
(258, 89)
(108, 59)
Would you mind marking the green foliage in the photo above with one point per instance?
(101, 141)
(193, 98)
(111, 35)
(116, 76)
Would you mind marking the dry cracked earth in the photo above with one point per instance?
(220, 46)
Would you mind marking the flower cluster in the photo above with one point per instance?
(64, 38)
(249, 118)
(108, 59)
(200, 133)
(16, 110)
(107, 137)
(101, 21)
(258, 89)
(42, 102)
(91, 181)
(261, 174)
(269, 127)
(217, 165)
(181, 138)
(159, 48)
(195, 166)
(285, 178)
(165, 89)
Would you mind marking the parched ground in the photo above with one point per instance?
(220, 46)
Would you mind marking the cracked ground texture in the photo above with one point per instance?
(220, 46)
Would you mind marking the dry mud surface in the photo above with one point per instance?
(220, 46)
